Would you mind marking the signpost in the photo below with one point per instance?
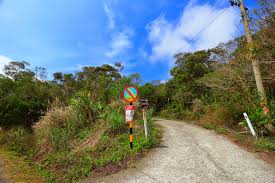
(130, 95)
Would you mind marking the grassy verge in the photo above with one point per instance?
(111, 154)
(18, 169)
(66, 150)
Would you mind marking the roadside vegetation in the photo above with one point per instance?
(72, 126)
(215, 87)
(17, 169)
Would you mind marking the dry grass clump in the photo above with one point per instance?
(57, 116)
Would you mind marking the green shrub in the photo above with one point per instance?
(19, 140)
(259, 120)
(265, 144)
(86, 110)
(23, 101)
(116, 121)
(59, 139)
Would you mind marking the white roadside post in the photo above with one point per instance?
(144, 106)
(145, 122)
(250, 125)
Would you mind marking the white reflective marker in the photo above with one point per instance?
(145, 123)
(250, 125)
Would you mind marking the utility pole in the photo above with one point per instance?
(255, 64)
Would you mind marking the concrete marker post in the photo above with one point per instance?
(144, 105)
(250, 125)
(145, 122)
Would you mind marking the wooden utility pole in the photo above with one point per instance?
(255, 64)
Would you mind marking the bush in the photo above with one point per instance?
(173, 112)
(22, 101)
(225, 114)
(198, 107)
(261, 122)
(19, 140)
(116, 121)
(86, 109)
(265, 144)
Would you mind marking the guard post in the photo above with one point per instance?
(144, 105)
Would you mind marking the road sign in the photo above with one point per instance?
(130, 94)
(144, 103)
(129, 113)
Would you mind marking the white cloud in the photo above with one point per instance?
(3, 61)
(110, 15)
(169, 38)
(119, 43)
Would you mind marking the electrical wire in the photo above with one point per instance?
(223, 11)
(238, 27)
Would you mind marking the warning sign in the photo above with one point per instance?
(129, 113)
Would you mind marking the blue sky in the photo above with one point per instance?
(64, 35)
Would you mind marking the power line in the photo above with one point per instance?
(238, 27)
(209, 24)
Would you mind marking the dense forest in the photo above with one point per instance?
(51, 121)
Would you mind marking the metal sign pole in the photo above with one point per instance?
(131, 132)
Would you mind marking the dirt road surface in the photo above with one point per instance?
(191, 154)
(2, 179)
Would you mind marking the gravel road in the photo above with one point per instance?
(191, 154)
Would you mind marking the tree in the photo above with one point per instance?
(18, 70)
(58, 77)
(41, 73)
(136, 78)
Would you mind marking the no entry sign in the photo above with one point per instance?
(130, 94)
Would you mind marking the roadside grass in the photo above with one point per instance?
(217, 128)
(56, 151)
(72, 166)
(265, 144)
(67, 166)
(18, 169)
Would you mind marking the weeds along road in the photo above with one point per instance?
(191, 154)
